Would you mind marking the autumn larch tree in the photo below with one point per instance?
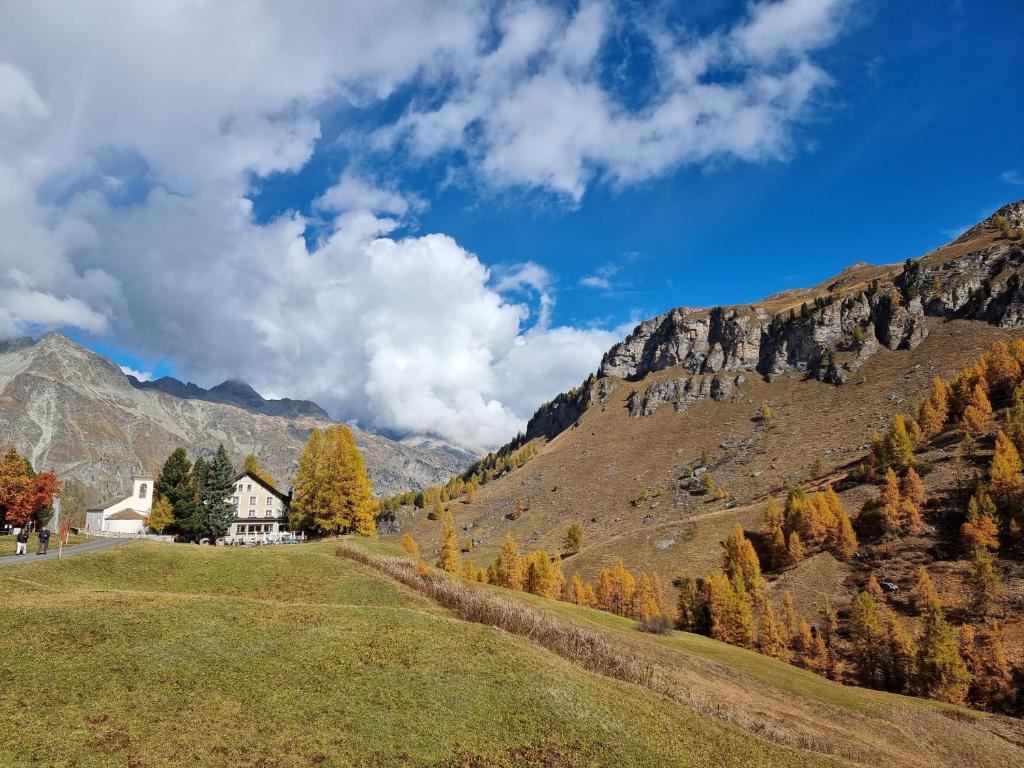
(161, 516)
(740, 562)
(252, 465)
(912, 497)
(541, 578)
(1002, 371)
(773, 533)
(332, 491)
(942, 673)
(794, 548)
(574, 539)
(448, 560)
(771, 639)
(688, 605)
(868, 639)
(901, 447)
(981, 529)
(984, 582)
(410, 546)
(901, 656)
(977, 416)
(508, 568)
(1004, 472)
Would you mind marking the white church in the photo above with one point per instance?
(128, 515)
(261, 511)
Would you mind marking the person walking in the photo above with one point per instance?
(22, 542)
(44, 541)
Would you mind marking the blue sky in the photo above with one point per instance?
(908, 147)
(432, 216)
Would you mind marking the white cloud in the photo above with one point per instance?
(602, 277)
(535, 111)
(131, 135)
(1012, 176)
(140, 375)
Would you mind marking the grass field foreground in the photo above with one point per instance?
(163, 655)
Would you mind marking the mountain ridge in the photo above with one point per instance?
(71, 409)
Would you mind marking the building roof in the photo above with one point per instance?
(127, 514)
(264, 484)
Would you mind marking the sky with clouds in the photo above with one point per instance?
(432, 216)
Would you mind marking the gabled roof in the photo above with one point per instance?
(127, 514)
(263, 484)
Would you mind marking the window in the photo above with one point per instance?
(248, 487)
(252, 501)
(239, 488)
(252, 513)
(143, 490)
(234, 500)
(270, 501)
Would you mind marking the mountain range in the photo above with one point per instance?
(70, 409)
(687, 392)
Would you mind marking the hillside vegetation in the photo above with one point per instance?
(160, 655)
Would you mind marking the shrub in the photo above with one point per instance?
(656, 625)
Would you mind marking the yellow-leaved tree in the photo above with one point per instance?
(251, 464)
(332, 491)
(161, 516)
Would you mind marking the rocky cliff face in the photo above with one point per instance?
(74, 411)
(826, 333)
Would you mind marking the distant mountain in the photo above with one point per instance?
(70, 409)
(233, 392)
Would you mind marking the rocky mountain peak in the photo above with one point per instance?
(825, 333)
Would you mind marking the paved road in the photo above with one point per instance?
(92, 545)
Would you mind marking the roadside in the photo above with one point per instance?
(78, 545)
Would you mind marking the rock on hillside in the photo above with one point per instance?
(74, 411)
(826, 333)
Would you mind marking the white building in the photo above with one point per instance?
(127, 515)
(260, 509)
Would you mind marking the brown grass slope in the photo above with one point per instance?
(594, 471)
(772, 700)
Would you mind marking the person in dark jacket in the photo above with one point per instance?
(22, 542)
(44, 541)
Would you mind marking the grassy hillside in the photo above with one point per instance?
(157, 655)
(785, 704)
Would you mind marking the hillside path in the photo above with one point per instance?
(79, 549)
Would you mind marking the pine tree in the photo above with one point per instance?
(868, 638)
(942, 673)
(409, 544)
(161, 516)
(251, 464)
(1004, 472)
(770, 638)
(508, 568)
(901, 448)
(794, 548)
(175, 484)
(217, 510)
(984, 582)
(574, 539)
(448, 560)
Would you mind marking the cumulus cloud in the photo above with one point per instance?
(133, 137)
(536, 110)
